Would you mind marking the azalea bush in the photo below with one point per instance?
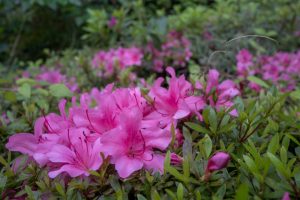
(159, 100)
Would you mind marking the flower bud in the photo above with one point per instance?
(176, 159)
(218, 161)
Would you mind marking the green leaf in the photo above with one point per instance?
(180, 192)
(171, 194)
(258, 81)
(242, 192)
(205, 146)
(3, 180)
(10, 96)
(60, 91)
(221, 192)
(29, 193)
(140, 197)
(213, 120)
(186, 168)
(155, 195)
(197, 127)
(22, 81)
(198, 195)
(250, 164)
(279, 166)
(295, 94)
(283, 155)
(274, 144)
(60, 190)
(25, 90)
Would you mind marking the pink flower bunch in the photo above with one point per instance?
(117, 59)
(281, 69)
(130, 129)
(175, 51)
(218, 95)
(54, 76)
(246, 67)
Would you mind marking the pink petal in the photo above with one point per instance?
(61, 154)
(156, 163)
(171, 71)
(70, 169)
(126, 166)
(22, 142)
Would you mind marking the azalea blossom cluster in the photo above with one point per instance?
(129, 128)
(116, 60)
(53, 76)
(281, 69)
(175, 51)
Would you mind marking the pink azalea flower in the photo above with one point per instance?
(117, 59)
(280, 69)
(173, 103)
(174, 51)
(76, 159)
(131, 147)
(51, 76)
(219, 95)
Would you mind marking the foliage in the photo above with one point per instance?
(46, 54)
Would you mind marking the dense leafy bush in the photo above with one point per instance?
(150, 99)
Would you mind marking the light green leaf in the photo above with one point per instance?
(258, 81)
(25, 90)
(197, 127)
(180, 192)
(242, 192)
(60, 91)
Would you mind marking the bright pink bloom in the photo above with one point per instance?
(117, 59)
(244, 63)
(51, 76)
(174, 51)
(173, 103)
(76, 159)
(55, 76)
(280, 69)
(219, 95)
(218, 161)
(131, 147)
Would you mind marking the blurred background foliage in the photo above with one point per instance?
(29, 27)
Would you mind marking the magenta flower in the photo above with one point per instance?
(244, 63)
(131, 147)
(218, 161)
(117, 59)
(174, 51)
(51, 76)
(173, 103)
(219, 95)
(280, 69)
(76, 159)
